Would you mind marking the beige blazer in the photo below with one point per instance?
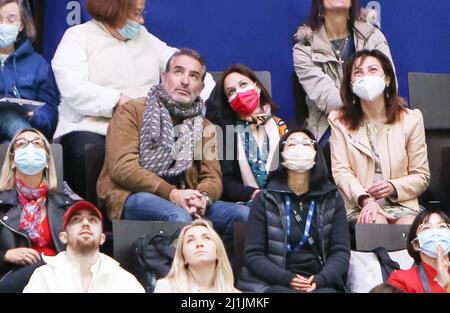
(403, 157)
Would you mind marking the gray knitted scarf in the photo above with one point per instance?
(159, 152)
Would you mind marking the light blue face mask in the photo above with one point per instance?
(30, 160)
(430, 239)
(130, 30)
(8, 35)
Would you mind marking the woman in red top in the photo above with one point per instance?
(31, 211)
(429, 245)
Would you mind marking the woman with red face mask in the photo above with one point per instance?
(243, 108)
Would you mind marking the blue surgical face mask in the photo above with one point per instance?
(8, 35)
(30, 160)
(130, 30)
(430, 239)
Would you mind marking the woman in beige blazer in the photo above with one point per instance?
(378, 149)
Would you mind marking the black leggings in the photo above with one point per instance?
(15, 281)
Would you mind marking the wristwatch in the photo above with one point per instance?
(208, 199)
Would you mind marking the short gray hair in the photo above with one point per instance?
(191, 53)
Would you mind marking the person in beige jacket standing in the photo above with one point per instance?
(334, 30)
(378, 150)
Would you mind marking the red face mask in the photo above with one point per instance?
(245, 101)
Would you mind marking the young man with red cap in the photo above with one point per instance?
(82, 268)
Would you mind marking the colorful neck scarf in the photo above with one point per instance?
(259, 117)
(159, 151)
(32, 200)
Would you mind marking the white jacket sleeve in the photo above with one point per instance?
(70, 65)
(209, 86)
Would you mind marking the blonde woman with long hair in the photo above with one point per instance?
(31, 209)
(200, 263)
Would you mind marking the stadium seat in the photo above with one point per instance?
(125, 232)
(430, 93)
(391, 237)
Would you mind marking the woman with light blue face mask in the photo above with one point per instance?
(31, 210)
(25, 74)
(429, 245)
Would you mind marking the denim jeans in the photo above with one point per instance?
(11, 122)
(149, 207)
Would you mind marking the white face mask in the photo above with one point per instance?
(369, 87)
(299, 159)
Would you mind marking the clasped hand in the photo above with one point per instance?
(381, 189)
(303, 284)
(193, 201)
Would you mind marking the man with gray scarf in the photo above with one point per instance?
(160, 162)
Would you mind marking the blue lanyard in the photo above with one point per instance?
(288, 208)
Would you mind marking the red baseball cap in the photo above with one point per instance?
(80, 205)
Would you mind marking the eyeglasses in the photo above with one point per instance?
(22, 143)
(303, 142)
(430, 226)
